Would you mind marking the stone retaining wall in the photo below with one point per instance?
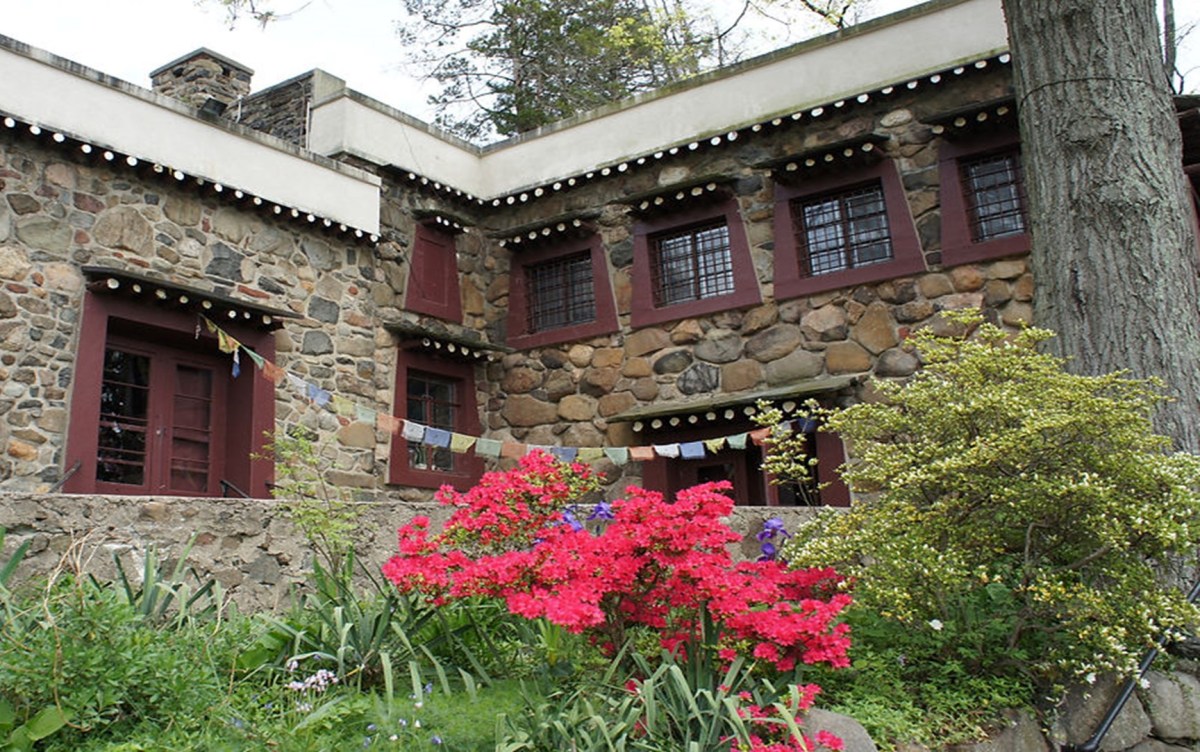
(248, 545)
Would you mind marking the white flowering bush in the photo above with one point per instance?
(1021, 517)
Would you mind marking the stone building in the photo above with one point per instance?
(620, 288)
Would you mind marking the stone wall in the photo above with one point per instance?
(201, 75)
(567, 393)
(281, 110)
(248, 545)
(60, 211)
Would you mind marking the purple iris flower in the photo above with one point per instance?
(768, 552)
(570, 519)
(602, 511)
(771, 528)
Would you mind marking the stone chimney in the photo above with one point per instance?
(201, 76)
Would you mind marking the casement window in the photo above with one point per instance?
(156, 410)
(161, 410)
(432, 287)
(436, 393)
(984, 211)
(692, 263)
(432, 401)
(560, 292)
(995, 196)
(843, 229)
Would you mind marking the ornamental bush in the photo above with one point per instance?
(1020, 517)
(650, 563)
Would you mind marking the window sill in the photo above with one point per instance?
(562, 334)
(798, 287)
(988, 250)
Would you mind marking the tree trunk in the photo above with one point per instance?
(1115, 258)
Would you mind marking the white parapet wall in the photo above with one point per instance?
(890, 50)
(67, 98)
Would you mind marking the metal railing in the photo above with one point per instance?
(1118, 703)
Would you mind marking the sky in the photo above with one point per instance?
(352, 39)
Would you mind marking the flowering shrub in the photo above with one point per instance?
(652, 563)
(775, 727)
(1014, 519)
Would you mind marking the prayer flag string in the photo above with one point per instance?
(410, 430)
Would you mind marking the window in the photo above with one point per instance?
(154, 410)
(437, 393)
(560, 291)
(433, 402)
(692, 263)
(433, 275)
(843, 229)
(983, 200)
(743, 468)
(995, 196)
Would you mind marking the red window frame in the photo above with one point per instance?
(792, 280)
(467, 467)
(432, 287)
(243, 411)
(520, 334)
(958, 244)
(645, 311)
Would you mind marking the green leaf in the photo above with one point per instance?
(45, 723)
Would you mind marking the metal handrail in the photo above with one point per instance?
(66, 477)
(1118, 703)
(226, 487)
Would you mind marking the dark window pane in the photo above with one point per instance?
(432, 401)
(842, 231)
(124, 409)
(561, 293)
(995, 196)
(692, 265)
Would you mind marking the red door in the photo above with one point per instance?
(161, 419)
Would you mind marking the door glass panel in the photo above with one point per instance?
(124, 418)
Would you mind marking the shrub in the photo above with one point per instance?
(652, 564)
(646, 566)
(1017, 516)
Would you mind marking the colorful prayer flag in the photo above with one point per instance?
(487, 448)
(666, 450)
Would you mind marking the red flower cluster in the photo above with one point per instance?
(771, 734)
(654, 564)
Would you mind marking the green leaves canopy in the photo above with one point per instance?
(995, 468)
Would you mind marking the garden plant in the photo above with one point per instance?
(1017, 528)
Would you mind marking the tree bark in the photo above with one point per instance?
(1115, 257)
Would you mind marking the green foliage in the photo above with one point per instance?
(786, 455)
(520, 64)
(660, 703)
(86, 656)
(324, 513)
(1027, 511)
(153, 597)
(905, 685)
